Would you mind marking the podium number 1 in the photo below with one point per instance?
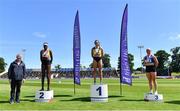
(41, 95)
(99, 89)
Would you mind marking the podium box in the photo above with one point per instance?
(44, 96)
(99, 93)
(153, 97)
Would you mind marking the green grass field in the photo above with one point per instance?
(64, 98)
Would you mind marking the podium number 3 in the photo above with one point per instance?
(99, 89)
(41, 95)
(156, 97)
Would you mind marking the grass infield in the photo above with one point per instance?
(64, 98)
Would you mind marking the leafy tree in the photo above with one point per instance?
(57, 67)
(82, 66)
(175, 63)
(2, 65)
(91, 65)
(139, 69)
(131, 63)
(106, 61)
(163, 58)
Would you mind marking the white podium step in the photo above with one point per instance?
(99, 93)
(44, 96)
(153, 97)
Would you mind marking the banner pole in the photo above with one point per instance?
(120, 85)
(74, 88)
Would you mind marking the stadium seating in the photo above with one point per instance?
(66, 73)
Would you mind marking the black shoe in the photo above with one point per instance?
(18, 101)
(11, 101)
(94, 82)
(41, 89)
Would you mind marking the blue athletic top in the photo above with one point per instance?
(149, 59)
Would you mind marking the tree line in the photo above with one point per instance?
(166, 61)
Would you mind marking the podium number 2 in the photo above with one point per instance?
(41, 95)
(99, 89)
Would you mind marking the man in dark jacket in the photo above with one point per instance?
(46, 58)
(16, 75)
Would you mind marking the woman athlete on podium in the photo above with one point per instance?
(97, 54)
(151, 62)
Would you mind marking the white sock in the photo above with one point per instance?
(155, 92)
(151, 91)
